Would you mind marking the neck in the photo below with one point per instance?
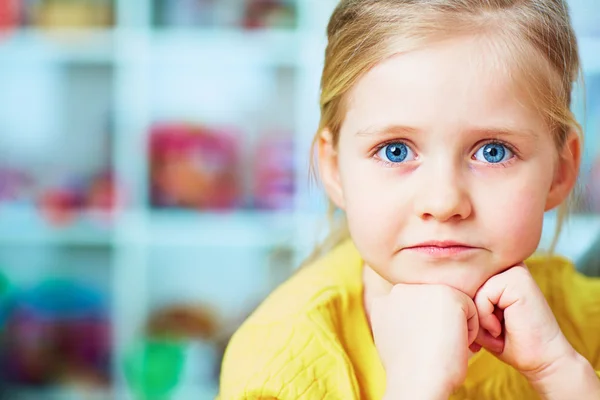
(374, 286)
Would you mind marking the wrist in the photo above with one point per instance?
(570, 377)
(424, 392)
(411, 387)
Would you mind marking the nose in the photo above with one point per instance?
(443, 196)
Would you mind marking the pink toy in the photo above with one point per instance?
(193, 167)
(274, 172)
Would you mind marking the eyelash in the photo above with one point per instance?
(480, 144)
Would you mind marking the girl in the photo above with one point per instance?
(445, 134)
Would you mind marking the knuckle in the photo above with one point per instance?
(520, 277)
(447, 296)
(519, 271)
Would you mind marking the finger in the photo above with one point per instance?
(487, 318)
(495, 289)
(475, 347)
(472, 319)
(472, 328)
(492, 296)
(490, 343)
(499, 313)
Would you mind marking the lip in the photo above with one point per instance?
(442, 249)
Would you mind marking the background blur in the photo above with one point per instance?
(154, 184)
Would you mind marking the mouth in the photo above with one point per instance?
(442, 249)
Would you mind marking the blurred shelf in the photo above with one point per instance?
(196, 392)
(59, 45)
(577, 237)
(220, 229)
(235, 47)
(590, 53)
(59, 393)
(247, 228)
(54, 393)
(21, 226)
(227, 47)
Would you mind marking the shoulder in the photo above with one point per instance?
(289, 348)
(321, 288)
(558, 277)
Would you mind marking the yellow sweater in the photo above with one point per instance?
(311, 340)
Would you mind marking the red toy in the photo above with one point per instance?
(269, 14)
(193, 167)
(99, 194)
(9, 15)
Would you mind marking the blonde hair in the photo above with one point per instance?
(362, 33)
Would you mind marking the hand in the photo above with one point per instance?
(422, 334)
(531, 340)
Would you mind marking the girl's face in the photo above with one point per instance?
(444, 168)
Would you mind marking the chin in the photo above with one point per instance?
(465, 277)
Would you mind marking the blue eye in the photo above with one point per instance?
(493, 153)
(396, 153)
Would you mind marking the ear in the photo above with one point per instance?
(567, 171)
(329, 168)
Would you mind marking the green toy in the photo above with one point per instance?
(153, 368)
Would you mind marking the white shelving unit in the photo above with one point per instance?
(79, 46)
(134, 52)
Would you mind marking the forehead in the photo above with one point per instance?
(450, 84)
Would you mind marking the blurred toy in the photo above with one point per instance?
(9, 15)
(56, 332)
(177, 349)
(63, 203)
(274, 173)
(103, 196)
(72, 14)
(5, 294)
(183, 322)
(153, 368)
(193, 167)
(15, 185)
(269, 14)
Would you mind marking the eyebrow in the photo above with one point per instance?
(408, 130)
(388, 129)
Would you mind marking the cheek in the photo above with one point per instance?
(372, 214)
(513, 220)
(376, 207)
